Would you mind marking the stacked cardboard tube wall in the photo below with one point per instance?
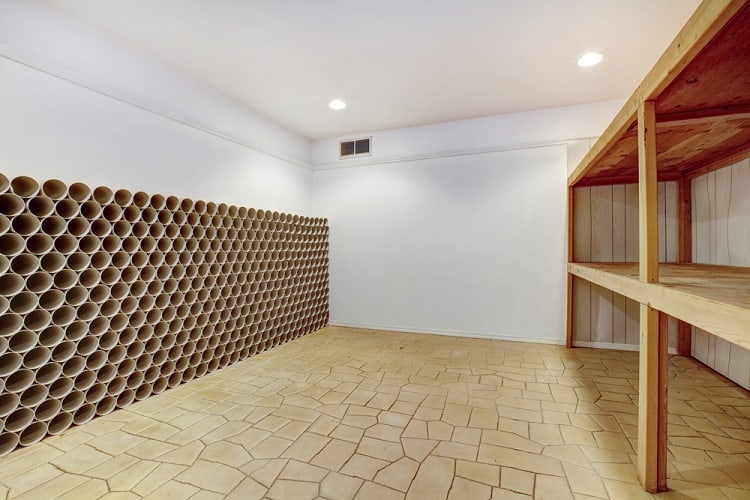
(109, 297)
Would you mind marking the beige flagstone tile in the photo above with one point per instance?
(335, 454)
(480, 473)
(357, 414)
(363, 466)
(370, 491)
(157, 477)
(517, 480)
(433, 480)
(463, 488)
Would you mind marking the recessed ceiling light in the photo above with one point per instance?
(590, 59)
(337, 104)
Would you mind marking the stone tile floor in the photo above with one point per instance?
(347, 413)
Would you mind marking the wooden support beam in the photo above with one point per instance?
(652, 400)
(701, 116)
(684, 253)
(647, 194)
(571, 234)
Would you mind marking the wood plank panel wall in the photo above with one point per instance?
(606, 230)
(721, 235)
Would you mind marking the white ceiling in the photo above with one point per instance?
(396, 63)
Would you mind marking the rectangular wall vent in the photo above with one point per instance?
(355, 147)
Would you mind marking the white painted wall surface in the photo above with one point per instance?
(80, 107)
(721, 235)
(471, 245)
(455, 228)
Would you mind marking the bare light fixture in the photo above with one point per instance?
(590, 59)
(337, 104)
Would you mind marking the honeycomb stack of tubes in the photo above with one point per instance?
(108, 297)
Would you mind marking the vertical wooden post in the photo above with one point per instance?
(571, 235)
(652, 408)
(648, 251)
(684, 252)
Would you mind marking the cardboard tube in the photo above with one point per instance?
(149, 215)
(63, 279)
(11, 205)
(52, 262)
(67, 209)
(36, 357)
(19, 381)
(135, 350)
(37, 320)
(157, 202)
(60, 423)
(108, 340)
(73, 401)
(24, 264)
(87, 345)
(66, 314)
(110, 275)
(85, 380)
(54, 189)
(51, 300)
(98, 327)
(141, 199)
(11, 284)
(90, 209)
(111, 243)
(122, 228)
(84, 414)
(33, 396)
(135, 379)
(96, 360)
(160, 385)
(41, 206)
(77, 295)
(24, 186)
(125, 398)
(117, 354)
(139, 229)
(131, 213)
(63, 351)
(10, 362)
(78, 226)
(89, 278)
(143, 391)
(79, 191)
(95, 393)
(200, 207)
(19, 419)
(8, 403)
(106, 374)
(39, 244)
(174, 380)
(143, 362)
(64, 243)
(127, 336)
(106, 405)
(103, 195)
(123, 197)
(51, 336)
(101, 228)
(60, 387)
(165, 216)
(139, 259)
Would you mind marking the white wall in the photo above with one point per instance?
(80, 107)
(444, 231)
(721, 235)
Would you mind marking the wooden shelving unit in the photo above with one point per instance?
(689, 116)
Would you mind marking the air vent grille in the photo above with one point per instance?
(355, 147)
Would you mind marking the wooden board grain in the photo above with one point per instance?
(714, 298)
(704, 72)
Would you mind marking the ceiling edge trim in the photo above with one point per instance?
(23, 58)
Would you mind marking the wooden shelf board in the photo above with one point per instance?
(713, 298)
(701, 90)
